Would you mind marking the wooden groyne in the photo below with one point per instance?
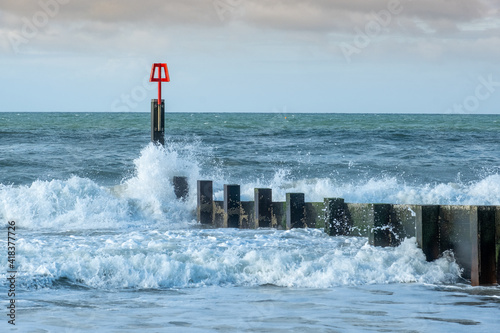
(471, 232)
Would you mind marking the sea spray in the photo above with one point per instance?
(75, 203)
(381, 190)
(147, 196)
(151, 187)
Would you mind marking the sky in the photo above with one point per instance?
(342, 56)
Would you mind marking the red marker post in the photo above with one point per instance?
(158, 105)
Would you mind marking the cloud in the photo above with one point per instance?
(130, 25)
(118, 11)
(440, 16)
(280, 14)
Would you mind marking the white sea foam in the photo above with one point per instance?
(79, 203)
(61, 204)
(194, 258)
(384, 190)
(151, 187)
(157, 248)
(147, 197)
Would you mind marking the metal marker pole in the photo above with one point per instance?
(158, 130)
(159, 100)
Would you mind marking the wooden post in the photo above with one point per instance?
(181, 187)
(232, 204)
(455, 234)
(382, 233)
(427, 231)
(335, 219)
(483, 263)
(205, 208)
(263, 198)
(247, 215)
(497, 240)
(278, 217)
(219, 214)
(295, 210)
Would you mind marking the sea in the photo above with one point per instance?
(101, 244)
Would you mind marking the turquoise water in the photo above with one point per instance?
(103, 244)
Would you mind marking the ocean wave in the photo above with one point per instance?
(484, 191)
(196, 258)
(147, 197)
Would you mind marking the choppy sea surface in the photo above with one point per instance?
(103, 245)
